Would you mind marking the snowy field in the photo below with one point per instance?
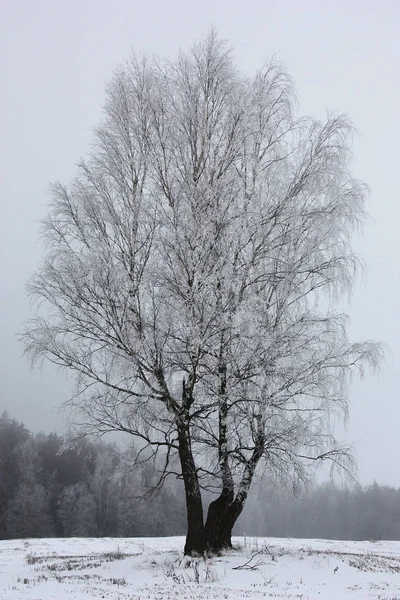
(155, 569)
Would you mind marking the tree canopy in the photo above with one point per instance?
(191, 275)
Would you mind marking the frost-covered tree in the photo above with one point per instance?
(103, 487)
(191, 274)
(28, 514)
(12, 435)
(77, 511)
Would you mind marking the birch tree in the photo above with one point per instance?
(192, 274)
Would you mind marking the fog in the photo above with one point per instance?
(55, 60)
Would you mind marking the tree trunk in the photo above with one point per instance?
(224, 511)
(195, 537)
(222, 515)
(217, 530)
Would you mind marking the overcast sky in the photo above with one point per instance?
(55, 59)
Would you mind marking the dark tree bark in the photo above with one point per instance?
(215, 529)
(228, 519)
(225, 510)
(217, 524)
(221, 517)
(195, 536)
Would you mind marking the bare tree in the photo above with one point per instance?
(191, 274)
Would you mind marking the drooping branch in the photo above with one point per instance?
(191, 273)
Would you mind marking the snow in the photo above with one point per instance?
(155, 569)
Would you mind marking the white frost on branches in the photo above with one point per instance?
(204, 243)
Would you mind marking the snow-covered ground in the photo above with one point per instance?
(155, 569)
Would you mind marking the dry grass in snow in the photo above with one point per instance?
(155, 569)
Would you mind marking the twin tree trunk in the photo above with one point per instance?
(215, 534)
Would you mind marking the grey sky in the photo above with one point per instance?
(55, 58)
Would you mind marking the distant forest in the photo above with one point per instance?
(46, 491)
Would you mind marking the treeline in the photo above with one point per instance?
(82, 492)
(325, 511)
(46, 491)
